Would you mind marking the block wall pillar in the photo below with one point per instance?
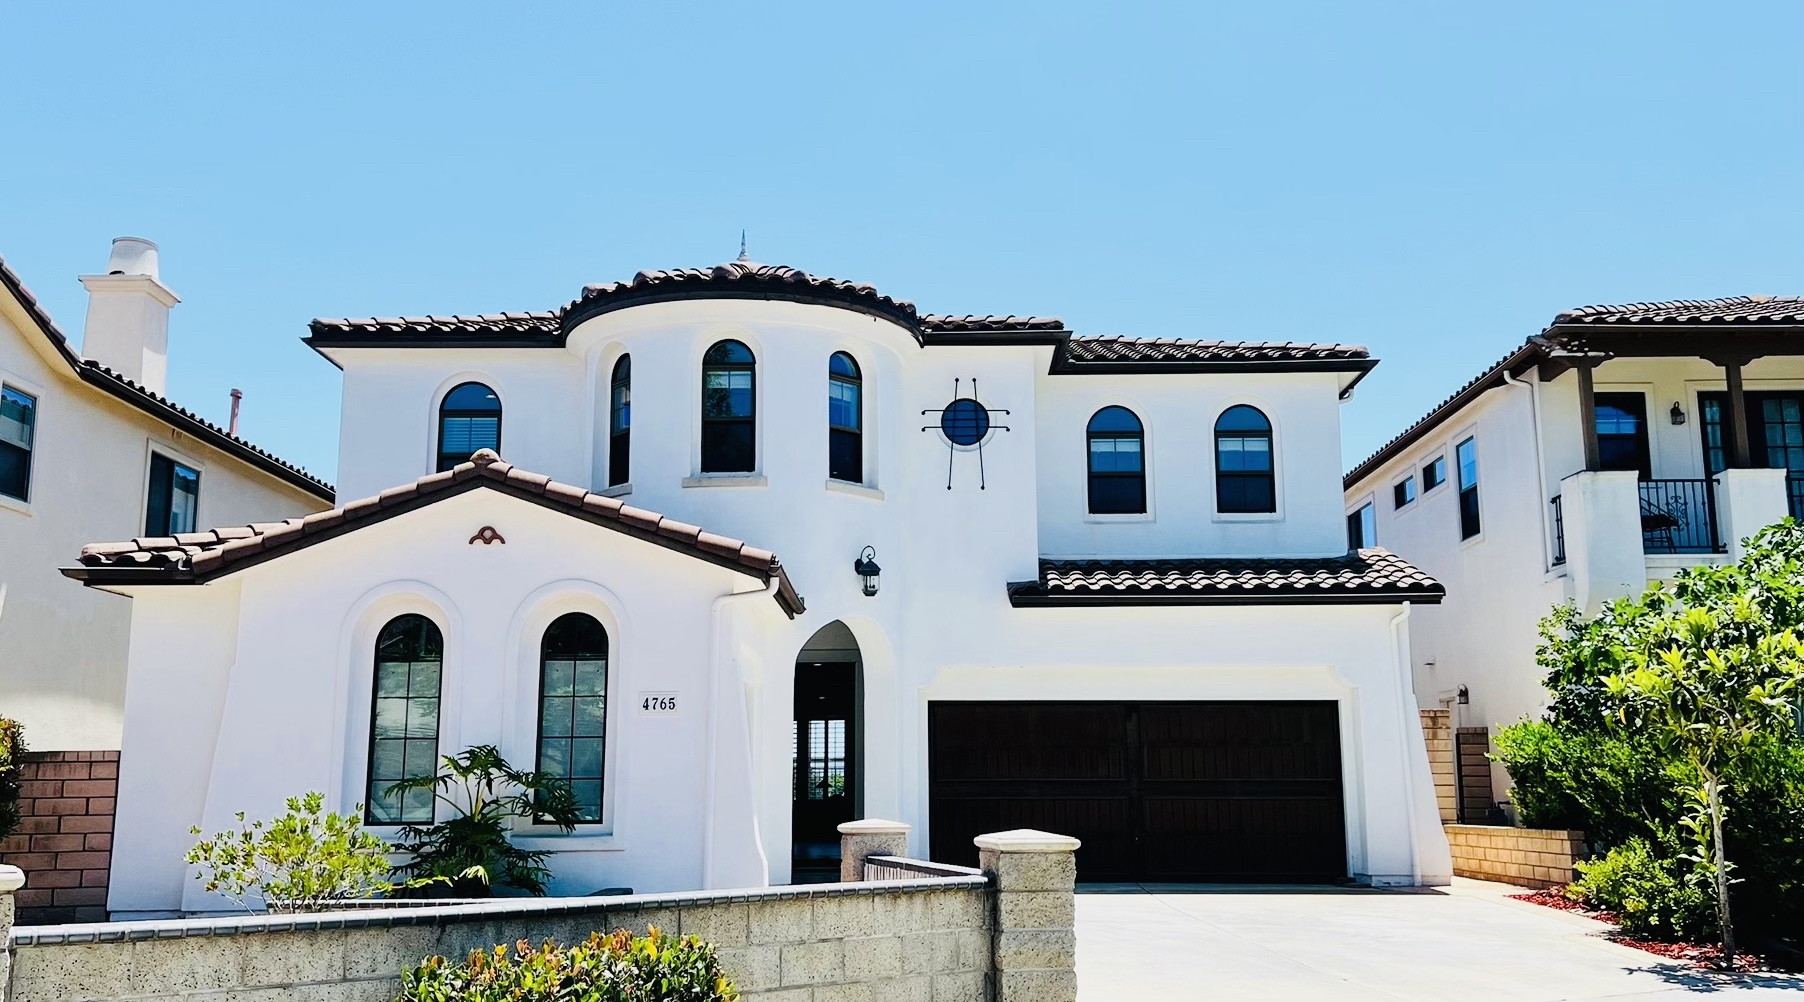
(1035, 927)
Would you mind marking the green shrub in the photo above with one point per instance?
(12, 755)
(1647, 891)
(470, 852)
(617, 968)
(304, 861)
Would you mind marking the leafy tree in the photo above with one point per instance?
(471, 851)
(304, 861)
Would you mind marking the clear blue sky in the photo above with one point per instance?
(1434, 180)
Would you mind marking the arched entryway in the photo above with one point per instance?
(827, 761)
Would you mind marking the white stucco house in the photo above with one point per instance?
(91, 448)
(1614, 447)
(762, 552)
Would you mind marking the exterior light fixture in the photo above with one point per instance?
(1465, 696)
(866, 566)
(1678, 413)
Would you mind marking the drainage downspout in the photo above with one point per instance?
(721, 658)
(1534, 404)
(1406, 703)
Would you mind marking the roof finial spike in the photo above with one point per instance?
(742, 254)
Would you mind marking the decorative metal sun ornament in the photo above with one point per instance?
(966, 424)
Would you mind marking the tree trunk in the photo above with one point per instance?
(1713, 791)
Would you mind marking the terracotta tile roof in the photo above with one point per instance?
(497, 324)
(195, 557)
(1732, 310)
(1113, 348)
(156, 405)
(740, 279)
(1365, 576)
(972, 323)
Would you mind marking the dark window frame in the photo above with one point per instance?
(1610, 446)
(431, 634)
(20, 457)
(541, 708)
(721, 435)
(1356, 526)
(1471, 524)
(160, 495)
(1101, 485)
(845, 443)
(1434, 473)
(1403, 493)
(446, 460)
(1269, 476)
(620, 422)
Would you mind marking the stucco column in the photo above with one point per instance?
(1035, 928)
(1748, 501)
(11, 879)
(870, 837)
(1602, 519)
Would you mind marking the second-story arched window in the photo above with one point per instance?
(1243, 461)
(845, 419)
(1117, 463)
(729, 421)
(620, 422)
(469, 419)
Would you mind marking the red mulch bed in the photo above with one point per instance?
(1708, 957)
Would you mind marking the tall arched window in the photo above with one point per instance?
(573, 705)
(1117, 463)
(410, 654)
(620, 422)
(1243, 461)
(845, 419)
(729, 435)
(469, 419)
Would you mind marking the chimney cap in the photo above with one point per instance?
(132, 256)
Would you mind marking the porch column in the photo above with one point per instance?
(1588, 414)
(1737, 418)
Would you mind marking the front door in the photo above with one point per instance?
(826, 768)
(1775, 436)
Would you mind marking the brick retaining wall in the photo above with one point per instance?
(65, 838)
(1527, 857)
(1437, 733)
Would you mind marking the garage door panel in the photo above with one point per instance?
(1156, 791)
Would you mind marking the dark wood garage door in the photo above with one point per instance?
(1157, 791)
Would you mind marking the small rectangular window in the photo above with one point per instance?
(18, 425)
(1467, 455)
(1362, 527)
(1403, 492)
(174, 497)
(1434, 473)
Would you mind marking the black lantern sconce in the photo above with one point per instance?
(1465, 696)
(868, 571)
(1678, 413)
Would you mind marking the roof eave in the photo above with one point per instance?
(1515, 363)
(1062, 365)
(1031, 594)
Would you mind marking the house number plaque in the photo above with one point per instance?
(657, 704)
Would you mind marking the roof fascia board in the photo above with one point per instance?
(22, 312)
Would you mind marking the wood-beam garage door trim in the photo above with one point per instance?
(1246, 791)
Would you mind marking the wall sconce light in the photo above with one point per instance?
(866, 566)
(1678, 413)
(1465, 696)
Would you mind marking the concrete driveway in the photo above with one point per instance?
(1153, 943)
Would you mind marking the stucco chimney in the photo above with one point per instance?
(128, 315)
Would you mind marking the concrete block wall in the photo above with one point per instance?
(1437, 730)
(64, 843)
(1528, 857)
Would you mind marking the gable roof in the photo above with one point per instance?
(1363, 577)
(156, 405)
(1571, 329)
(198, 557)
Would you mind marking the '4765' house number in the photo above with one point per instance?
(658, 704)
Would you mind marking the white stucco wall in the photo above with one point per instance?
(63, 647)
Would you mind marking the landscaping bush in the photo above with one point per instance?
(1650, 893)
(12, 755)
(467, 854)
(617, 968)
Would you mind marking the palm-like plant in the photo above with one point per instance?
(471, 850)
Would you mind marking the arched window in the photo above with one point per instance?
(1243, 461)
(729, 436)
(620, 422)
(1117, 463)
(410, 654)
(845, 419)
(573, 704)
(469, 419)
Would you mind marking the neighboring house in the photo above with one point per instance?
(1094, 585)
(1615, 447)
(90, 448)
